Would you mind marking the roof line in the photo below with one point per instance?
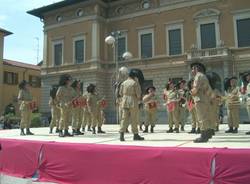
(6, 33)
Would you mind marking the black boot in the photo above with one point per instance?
(170, 130)
(28, 132)
(74, 132)
(61, 133)
(202, 138)
(230, 130)
(146, 129)
(138, 138)
(176, 130)
(182, 128)
(22, 131)
(192, 131)
(122, 136)
(89, 128)
(152, 129)
(83, 129)
(127, 130)
(209, 133)
(198, 131)
(248, 133)
(57, 130)
(79, 132)
(51, 130)
(235, 131)
(93, 130)
(67, 134)
(99, 131)
(217, 129)
(141, 127)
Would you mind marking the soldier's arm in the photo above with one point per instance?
(138, 90)
(20, 95)
(196, 85)
(121, 90)
(59, 94)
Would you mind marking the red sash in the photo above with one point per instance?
(32, 105)
(190, 105)
(152, 105)
(171, 106)
(103, 103)
(75, 103)
(82, 102)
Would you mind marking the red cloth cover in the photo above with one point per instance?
(108, 164)
(19, 157)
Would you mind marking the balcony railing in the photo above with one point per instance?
(196, 53)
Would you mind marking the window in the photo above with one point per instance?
(243, 32)
(208, 36)
(79, 49)
(146, 44)
(35, 81)
(174, 37)
(58, 53)
(121, 47)
(10, 78)
(207, 28)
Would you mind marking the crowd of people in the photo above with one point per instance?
(84, 111)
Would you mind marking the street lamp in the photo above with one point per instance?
(112, 39)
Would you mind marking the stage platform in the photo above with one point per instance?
(95, 159)
(160, 138)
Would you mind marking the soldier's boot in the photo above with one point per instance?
(202, 138)
(235, 131)
(122, 136)
(74, 132)
(51, 130)
(127, 130)
(170, 130)
(138, 138)
(100, 131)
(93, 130)
(141, 127)
(212, 132)
(198, 131)
(192, 131)
(209, 133)
(28, 132)
(89, 128)
(57, 130)
(22, 131)
(230, 130)
(67, 134)
(79, 132)
(182, 128)
(217, 129)
(248, 133)
(83, 129)
(146, 129)
(152, 129)
(176, 130)
(61, 133)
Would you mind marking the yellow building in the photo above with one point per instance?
(3, 33)
(13, 73)
(164, 37)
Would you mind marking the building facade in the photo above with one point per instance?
(13, 73)
(164, 37)
(3, 33)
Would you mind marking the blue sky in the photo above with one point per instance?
(22, 45)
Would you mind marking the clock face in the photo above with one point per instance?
(79, 13)
(145, 5)
(59, 18)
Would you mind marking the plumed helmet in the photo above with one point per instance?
(63, 79)
(134, 72)
(91, 88)
(53, 91)
(23, 84)
(201, 67)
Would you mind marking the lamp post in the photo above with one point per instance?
(112, 39)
